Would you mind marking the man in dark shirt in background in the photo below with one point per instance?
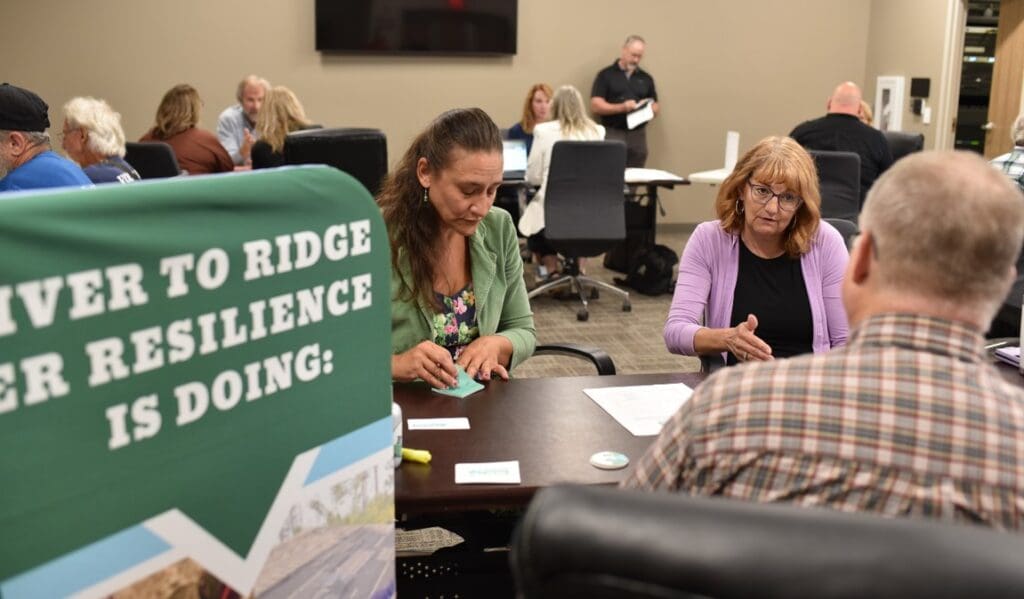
(619, 89)
(841, 130)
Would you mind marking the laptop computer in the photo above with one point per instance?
(514, 154)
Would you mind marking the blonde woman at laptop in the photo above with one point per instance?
(569, 122)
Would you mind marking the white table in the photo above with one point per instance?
(714, 177)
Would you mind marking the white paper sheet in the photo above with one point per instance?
(640, 116)
(643, 409)
(488, 473)
(1010, 355)
(644, 175)
(438, 424)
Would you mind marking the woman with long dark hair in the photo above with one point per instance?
(457, 290)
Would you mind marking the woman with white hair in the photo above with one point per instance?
(569, 122)
(93, 137)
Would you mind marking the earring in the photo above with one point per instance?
(739, 206)
(426, 196)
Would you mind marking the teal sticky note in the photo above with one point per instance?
(465, 386)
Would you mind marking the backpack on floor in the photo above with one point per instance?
(651, 271)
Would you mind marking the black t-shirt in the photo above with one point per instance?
(774, 291)
(846, 133)
(612, 84)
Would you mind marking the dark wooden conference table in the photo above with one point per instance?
(548, 424)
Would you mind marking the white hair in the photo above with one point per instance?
(251, 80)
(1017, 133)
(106, 137)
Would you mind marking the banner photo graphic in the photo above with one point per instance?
(195, 389)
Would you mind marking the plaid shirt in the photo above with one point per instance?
(907, 419)
(1012, 164)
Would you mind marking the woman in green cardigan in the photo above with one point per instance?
(457, 290)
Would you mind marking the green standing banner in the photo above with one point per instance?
(195, 388)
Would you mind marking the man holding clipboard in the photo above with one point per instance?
(623, 95)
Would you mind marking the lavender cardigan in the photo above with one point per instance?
(707, 283)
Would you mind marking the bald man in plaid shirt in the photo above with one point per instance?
(909, 418)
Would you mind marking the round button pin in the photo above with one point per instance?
(609, 460)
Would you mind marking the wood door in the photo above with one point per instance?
(1007, 78)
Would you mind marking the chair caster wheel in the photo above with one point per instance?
(627, 307)
(594, 294)
(582, 315)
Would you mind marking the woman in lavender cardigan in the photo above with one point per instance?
(764, 279)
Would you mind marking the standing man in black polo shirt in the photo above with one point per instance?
(619, 89)
(841, 130)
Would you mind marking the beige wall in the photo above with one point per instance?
(908, 38)
(756, 66)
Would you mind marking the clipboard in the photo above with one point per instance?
(641, 114)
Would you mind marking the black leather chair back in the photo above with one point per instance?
(839, 178)
(362, 153)
(152, 159)
(595, 543)
(901, 144)
(583, 214)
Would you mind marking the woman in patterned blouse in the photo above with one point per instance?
(457, 291)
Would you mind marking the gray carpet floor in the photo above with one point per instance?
(633, 339)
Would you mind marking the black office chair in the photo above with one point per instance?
(152, 159)
(847, 229)
(362, 153)
(901, 144)
(595, 543)
(598, 357)
(839, 179)
(583, 215)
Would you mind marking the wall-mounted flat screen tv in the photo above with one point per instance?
(416, 26)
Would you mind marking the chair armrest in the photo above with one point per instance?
(598, 357)
(711, 363)
(994, 344)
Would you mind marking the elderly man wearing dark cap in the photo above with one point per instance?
(26, 160)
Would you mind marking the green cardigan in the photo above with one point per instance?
(501, 304)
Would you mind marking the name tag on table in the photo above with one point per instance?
(438, 424)
(488, 473)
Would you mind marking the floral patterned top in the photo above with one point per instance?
(455, 327)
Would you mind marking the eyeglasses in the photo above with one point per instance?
(762, 194)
